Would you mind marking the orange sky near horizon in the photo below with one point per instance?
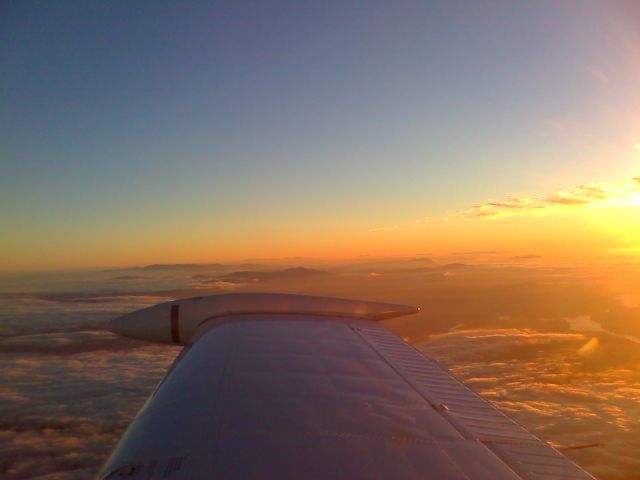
(224, 132)
(593, 219)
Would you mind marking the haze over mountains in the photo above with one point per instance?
(295, 273)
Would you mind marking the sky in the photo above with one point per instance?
(159, 132)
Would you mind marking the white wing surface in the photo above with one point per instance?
(324, 395)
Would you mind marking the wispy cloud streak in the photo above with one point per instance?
(582, 195)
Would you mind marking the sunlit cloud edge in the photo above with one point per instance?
(590, 194)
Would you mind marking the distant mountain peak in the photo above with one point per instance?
(285, 274)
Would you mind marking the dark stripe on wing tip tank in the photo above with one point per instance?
(175, 326)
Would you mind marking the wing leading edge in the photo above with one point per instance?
(326, 396)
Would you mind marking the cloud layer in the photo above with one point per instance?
(563, 387)
(65, 400)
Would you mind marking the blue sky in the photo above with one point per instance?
(129, 115)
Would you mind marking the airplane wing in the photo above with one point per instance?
(285, 387)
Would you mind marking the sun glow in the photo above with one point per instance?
(634, 200)
(624, 196)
